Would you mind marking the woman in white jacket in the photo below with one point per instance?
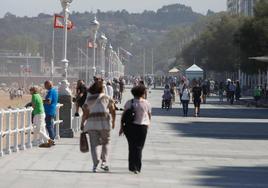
(185, 98)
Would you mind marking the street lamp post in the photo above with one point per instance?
(110, 49)
(103, 41)
(65, 95)
(65, 5)
(94, 25)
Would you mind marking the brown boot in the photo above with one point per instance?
(51, 142)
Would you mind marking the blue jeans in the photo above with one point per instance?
(50, 126)
(185, 106)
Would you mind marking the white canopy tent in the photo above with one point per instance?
(194, 72)
(174, 70)
(262, 58)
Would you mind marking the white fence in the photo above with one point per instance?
(16, 129)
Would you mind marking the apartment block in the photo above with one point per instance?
(241, 7)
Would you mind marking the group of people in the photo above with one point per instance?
(15, 93)
(184, 93)
(113, 88)
(232, 89)
(44, 112)
(99, 119)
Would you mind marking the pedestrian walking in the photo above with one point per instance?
(221, 91)
(50, 104)
(97, 120)
(196, 97)
(257, 94)
(166, 98)
(232, 90)
(205, 91)
(237, 90)
(185, 100)
(81, 95)
(39, 124)
(179, 89)
(136, 131)
(110, 90)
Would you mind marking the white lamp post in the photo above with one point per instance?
(103, 41)
(94, 26)
(65, 5)
(110, 49)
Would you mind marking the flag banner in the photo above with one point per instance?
(125, 55)
(125, 52)
(70, 25)
(59, 22)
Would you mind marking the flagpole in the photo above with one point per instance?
(53, 55)
(144, 59)
(152, 61)
(87, 63)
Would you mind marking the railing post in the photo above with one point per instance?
(1, 131)
(29, 127)
(57, 124)
(16, 137)
(8, 121)
(22, 126)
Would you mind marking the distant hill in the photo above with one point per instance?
(132, 31)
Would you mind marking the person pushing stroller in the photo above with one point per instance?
(166, 98)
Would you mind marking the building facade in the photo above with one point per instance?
(241, 7)
(13, 63)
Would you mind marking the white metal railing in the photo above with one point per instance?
(16, 129)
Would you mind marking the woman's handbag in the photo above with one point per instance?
(128, 116)
(83, 142)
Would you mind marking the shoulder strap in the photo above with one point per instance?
(132, 106)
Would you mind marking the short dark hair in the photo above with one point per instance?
(138, 91)
(96, 87)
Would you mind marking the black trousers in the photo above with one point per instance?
(136, 136)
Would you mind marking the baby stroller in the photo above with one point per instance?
(166, 99)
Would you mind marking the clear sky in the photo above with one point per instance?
(34, 7)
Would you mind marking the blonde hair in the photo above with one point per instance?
(34, 89)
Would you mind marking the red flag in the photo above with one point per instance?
(70, 25)
(59, 22)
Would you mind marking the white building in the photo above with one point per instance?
(241, 7)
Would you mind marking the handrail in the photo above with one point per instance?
(16, 129)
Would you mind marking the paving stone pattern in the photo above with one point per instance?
(227, 147)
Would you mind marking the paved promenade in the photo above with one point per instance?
(225, 148)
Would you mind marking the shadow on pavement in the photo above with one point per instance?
(234, 177)
(219, 130)
(71, 171)
(246, 113)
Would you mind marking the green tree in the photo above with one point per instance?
(252, 37)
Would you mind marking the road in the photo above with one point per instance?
(227, 147)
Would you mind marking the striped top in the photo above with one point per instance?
(99, 116)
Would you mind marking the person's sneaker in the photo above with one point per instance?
(105, 167)
(94, 170)
(136, 172)
(76, 114)
(45, 145)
